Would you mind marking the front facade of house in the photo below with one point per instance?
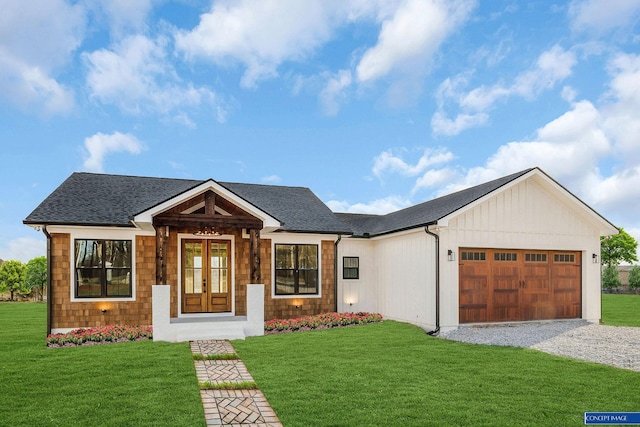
(202, 256)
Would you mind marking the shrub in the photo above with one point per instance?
(325, 320)
(634, 277)
(101, 334)
(610, 279)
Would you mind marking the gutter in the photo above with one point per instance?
(437, 238)
(49, 280)
(335, 273)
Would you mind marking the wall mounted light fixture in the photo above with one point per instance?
(104, 310)
(451, 256)
(594, 258)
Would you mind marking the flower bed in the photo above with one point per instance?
(320, 321)
(100, 335)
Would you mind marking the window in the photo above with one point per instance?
(505, 256)
(103, 268)
(535, 257)
(296, 269)
(350, 267)
(564, 258)
(474, 256)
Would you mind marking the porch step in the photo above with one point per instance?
(231, 328)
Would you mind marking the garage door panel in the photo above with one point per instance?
(474, 293)
(506, 304)
(513, 285)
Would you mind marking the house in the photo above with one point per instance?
(204, 259)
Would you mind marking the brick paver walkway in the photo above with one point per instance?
(230, 407)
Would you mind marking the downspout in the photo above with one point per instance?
(437, 238)
(49, 279)
(335, 273)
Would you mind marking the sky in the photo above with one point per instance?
(373, 105)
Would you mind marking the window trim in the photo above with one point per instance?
(103, 269)
(297, 269)
(105, 233)
(301, 240)
(356, 269)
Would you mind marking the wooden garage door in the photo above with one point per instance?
(499, 285)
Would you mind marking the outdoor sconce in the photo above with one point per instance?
(298, 306)
(594, 258)
(451, 256)
(104, 310)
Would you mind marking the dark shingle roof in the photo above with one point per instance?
(424, 213)
(297, 207)
(112, 200)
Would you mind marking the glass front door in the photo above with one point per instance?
(206, 276)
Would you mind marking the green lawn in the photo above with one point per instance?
(127, 384)
(393, 374)
(383, 374)
(621, 310)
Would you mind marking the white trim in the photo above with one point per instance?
(269, 222)
(295, 239)
(227, 237)
(99, 233)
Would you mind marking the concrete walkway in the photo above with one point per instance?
(230, 407)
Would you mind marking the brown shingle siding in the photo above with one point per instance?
(67, 314)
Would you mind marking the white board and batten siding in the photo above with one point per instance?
(397, 277)
(533, 214)
(397, 271)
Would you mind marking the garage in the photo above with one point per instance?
(498, 285)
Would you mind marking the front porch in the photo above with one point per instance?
(179, 329)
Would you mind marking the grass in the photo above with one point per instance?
(142, 383)
(215, 356)
(393, 374)
(382, 374)
(621, 310)
(242, 385)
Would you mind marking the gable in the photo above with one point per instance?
(193, 203)
(533, 203)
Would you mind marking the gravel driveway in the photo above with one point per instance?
(612, 345)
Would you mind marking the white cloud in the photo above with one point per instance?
(100, 144)
(271, 179)
(389, 162)
(568, 148)
(378, 207)
(443, 125)
(259, 34)
(595, 152)
(597, 16)
(621, 115)
(23, 249)
(410, 37)
(30, 59)
(126, 15)
(334, 92)
(435, 178)
(138, 77)
(552, 66)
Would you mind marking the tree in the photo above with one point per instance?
(610, 279)
(12, 276)
(634, 277)
(36, 275)
(617, 248)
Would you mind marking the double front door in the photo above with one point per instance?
(206, 276)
